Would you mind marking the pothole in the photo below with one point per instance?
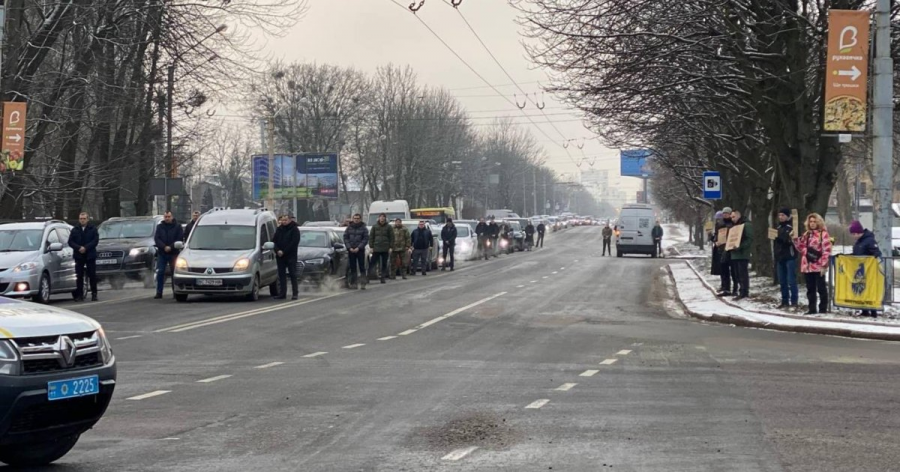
(483, 429)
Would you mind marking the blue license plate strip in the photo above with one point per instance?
(73, 388)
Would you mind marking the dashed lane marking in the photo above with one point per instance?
(316, 354)
(270, 364)
(150, 395)
(520, 286)
(407, 332)
(213, 379)
(554, 273)
(387, 338)
(588, 373)
(354, 346)
(544, 277)
(451, 314)
(624, 352)
(637, 344)
(700, 348)
(129, 337)
(608, 362)
(566, 387)
(537, 404)
(459, 454)
(237, 316)
(126, 299)
(534, 281)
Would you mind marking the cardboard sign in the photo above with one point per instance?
(773, 234)
(722, 237)
(846, 70)
(734, 237)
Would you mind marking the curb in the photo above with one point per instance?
(747, 323)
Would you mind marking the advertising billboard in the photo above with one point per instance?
(846, 71)
(297, 176)
(635, 163)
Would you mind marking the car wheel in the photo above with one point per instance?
(43, 293)
(37, 454)
(181, 297)
(254, 290)
(619, 254)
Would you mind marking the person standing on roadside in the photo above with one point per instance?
(815, 253)
(786, 259)
(422, 241)
(448, 236)
(286, 240)
(190, 226)
(381, 238)
(356, 238)
(657, 233)
(83, 240)
(529, 235)
(400, 250)
(729, 280)
(483, 233)
(541, 229)
(864, 245)
(607, 239)
(494, 233)
(740, 256)
(168, 232)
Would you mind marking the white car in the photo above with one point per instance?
(57, 376)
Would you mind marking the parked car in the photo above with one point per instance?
(466, 243)
(321, 255)
(517, 226)
(57, 376)
(36, 260)
(319, 224)
(127, 250)
(633, 235)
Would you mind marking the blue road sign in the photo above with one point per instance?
(635, 163)
(712, 185)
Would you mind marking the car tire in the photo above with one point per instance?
(37, 454)
(44, 289)
(619, 254)
(254, 290)
(181, 297)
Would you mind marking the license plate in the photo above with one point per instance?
(213, 282)
(107, 261)
(73, 388)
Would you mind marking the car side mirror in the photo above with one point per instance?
(179, 245)
(268, 246)
(55, 247)
(338, 246)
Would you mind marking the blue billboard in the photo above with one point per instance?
(297, 176)
(636, 163)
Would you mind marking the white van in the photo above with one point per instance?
(392, 208)
(501, 214)
(633, 230)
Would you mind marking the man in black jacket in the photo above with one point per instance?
(448, 236)
(286, 240)
(190, 226)
(494, 234)
(657, 233)
(541, 229)
(481, 230)
(83, 240)
(356, 238)
(529, 236)
(786, 259)
(422, 240)
(168, 232)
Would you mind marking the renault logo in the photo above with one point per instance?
(67, 351)
(210, 271)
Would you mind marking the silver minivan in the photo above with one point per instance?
(36, 260)
(229, 252)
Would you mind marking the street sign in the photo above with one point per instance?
(712, 185)
(13, 144)
(635, 163)
(846, 71)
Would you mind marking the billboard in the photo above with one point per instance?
(846, 71)
(13, 146)
(297, 176)
(635, 163)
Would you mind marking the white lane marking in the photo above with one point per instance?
(354, 346)
(700, 348)
(520, 286)
(537, 404)
(562, 268)
(451, 314)
(126, 299)
(608, 362)
(170, 439)
(316, 354)
(576, 260)
(270, 364)
(387, 338)
(237, 316)
(534, 281)
(544, 277)
(129, 337)
(150, 395)
(638, 344)
(554, 273)
(213, 379)
(624, 352)
(588, 373)
(407, 332)
(565, 387)
(459, 454)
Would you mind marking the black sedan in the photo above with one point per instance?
(321, 255)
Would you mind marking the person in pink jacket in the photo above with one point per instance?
(814, 247)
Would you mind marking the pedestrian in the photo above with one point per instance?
(716, 267)
(740, 256)
(529, 235)
(483, 233)
(356, 238)
(400, 250)
(864, 245)
(83, 240)
(607, 239)
(541, 229)
(786, 259)
(286, 240)
(168, 232)
(494, 233)
(422, 241)
(190, 226)
(381, 237)
(814, 247)
(657, 233)
(448, 237)
(728, 275)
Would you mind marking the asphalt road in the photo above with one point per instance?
(552, 360)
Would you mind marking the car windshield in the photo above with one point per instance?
(127, 229)
(462, 231)
(313, 239)
(223, 238)
(20, 240)
(514, 225)
(373, 218)
(321, 224)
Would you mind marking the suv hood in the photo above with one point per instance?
(124, 243)
(20, 319)
(215, 258)
(8, 260)
(304, 253)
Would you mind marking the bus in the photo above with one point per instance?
(439, 215)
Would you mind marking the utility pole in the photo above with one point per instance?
(534, 187)
(2, 43)
(882, 130)
(170, 155)
(270, 130)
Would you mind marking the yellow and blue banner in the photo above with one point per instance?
(858, 282)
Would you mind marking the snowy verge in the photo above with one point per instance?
(700, 301)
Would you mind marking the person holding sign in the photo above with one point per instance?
(786, 259)
(740, 237)
(726, 269)
(815, 252)
(865, 245)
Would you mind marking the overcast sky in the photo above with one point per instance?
(366, 34)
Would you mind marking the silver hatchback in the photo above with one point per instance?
(36, 260)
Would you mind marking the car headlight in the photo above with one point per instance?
(9, 359)
(25, 267)
(105, 348)
(241, 265)
(181, 264)
(138, 251)
(316, 261)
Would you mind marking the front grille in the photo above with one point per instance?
(3, 287)
(202, 270)
(43, 366)
(110, 254)
(210, 288)
(57, 413)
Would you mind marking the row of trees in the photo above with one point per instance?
(727, 85)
